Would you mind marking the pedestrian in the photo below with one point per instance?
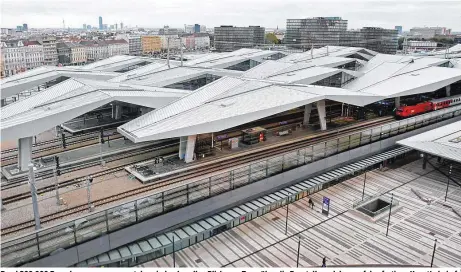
(311, 203)
(324, 262)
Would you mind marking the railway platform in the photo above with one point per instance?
(155, 169)
(85, 125)
(80, 156)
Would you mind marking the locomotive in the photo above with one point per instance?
(432, 105)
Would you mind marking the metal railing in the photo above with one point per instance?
(48, 240)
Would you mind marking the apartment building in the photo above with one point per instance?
(117, 47)
(134, 43)
(174, 42)
(50, 50)
(151, 44)
(20, 55)
(97, 50)
(71, 53)
(196, 41)
(34, 54)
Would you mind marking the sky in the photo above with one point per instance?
(267, 13)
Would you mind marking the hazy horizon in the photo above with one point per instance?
(269, 14)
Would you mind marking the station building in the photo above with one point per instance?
(215, 91)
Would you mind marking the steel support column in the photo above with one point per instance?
(24, 153)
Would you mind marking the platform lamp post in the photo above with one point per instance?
(101, 142)
(433, 252)
(389, 218)
(88, 191)
(364, 180)
(174, 255)
(299, 249)
(55, 173)
(33, 192)
(286, 222)
(448, 182)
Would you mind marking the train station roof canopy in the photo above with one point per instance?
(229, 102)
(330, 51)
(161, 76)
(24, 81)
(72, 98)
(237, 98)
(390, 79)
(300, 73)
(443, 142)
(227, 59)
(117, 63)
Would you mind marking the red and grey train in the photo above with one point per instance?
(432, 105)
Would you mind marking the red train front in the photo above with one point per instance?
(408, 111)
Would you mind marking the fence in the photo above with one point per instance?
(65, 235)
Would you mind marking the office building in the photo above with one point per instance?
(399, 29)
(100, 23)
(420, 45)
(166, 30)
(19, 28)
(25, 27)
(321, 31)
(230, 38)
(196, 28)
(202, 29)
(121, 25)
(88, 27)
(429, 32)
(151, 44)
(84, 26)
(380, 40)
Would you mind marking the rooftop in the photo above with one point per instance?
(72, 98)
(235, 100)
(443, 142)
(238, 97)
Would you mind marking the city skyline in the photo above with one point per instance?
(175, 13)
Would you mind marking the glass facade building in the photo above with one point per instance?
(320, 31)
(323, 31)
(229, 38)
(100, 23)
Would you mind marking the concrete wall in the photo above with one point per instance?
(220, 202)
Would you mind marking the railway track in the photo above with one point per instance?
(231, 133)
(53, 149)
(236, 160)
(64, 170)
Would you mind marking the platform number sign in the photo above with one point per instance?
(326, 205)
